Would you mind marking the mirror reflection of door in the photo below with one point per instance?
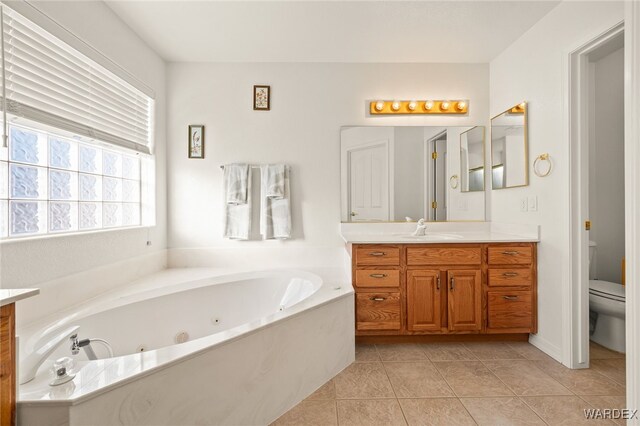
(369, 178)
(436, 174)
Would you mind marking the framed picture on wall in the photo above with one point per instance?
(261, 98)
(196, 141)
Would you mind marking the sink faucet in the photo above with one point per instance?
(420, 229)
(29, 366)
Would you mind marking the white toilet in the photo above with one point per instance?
(607, 301)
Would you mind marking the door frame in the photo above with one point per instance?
(428, 171)
(576, 317)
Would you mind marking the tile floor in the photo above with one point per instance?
(463, 384)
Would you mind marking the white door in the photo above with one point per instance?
(369, 182)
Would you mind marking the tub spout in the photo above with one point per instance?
(29, 366)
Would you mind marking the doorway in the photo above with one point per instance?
(435, 176)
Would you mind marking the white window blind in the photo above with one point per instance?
(49, 82)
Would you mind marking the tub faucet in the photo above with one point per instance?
(420, 229)
(29, 366)
(84, 344)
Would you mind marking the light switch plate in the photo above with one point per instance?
(533, 203)
(523, 204)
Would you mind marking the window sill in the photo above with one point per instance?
(18, 240)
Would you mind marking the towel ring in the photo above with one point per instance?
(453, 181)
(539, 159)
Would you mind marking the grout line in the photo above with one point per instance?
(473, 419)
(384, 367)
(534, 411)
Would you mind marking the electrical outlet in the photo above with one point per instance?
(523, 204)
(533, 203)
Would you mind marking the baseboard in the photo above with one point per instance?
(547, 347)
(433, 338)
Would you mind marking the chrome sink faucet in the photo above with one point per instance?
(420, 229)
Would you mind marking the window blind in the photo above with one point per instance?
(47, 81)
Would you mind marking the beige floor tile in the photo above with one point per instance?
(614, 368)
(581, 382)
(525, 378)
(493, 350)
(448, 352)
(471, 378)
(363, 380)
(308, 413)
(383, 412)
(500, 411)
(325, 392)
(561, 410)
(528, 351)
(403, 352)
(435, 411)
(367, 353)
(416, 380)
(600, 352)
(608, 402)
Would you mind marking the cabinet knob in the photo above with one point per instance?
(378, 299)
(378, 275)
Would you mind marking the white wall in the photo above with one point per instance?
(311, 101)
(31, 262)
(606, 166)
(534, 68)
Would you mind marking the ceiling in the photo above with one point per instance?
(329, 31)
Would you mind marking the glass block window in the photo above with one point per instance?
(52, 184)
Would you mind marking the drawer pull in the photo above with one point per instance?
(453, 284)
(377, 253)
(510, 274)
(510, 297)
(438, 283)
(510, 253)
(378, 299)
(378, 275)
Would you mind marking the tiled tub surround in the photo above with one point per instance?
(254, 371)
(463, 384)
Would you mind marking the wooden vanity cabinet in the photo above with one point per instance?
(423, 289)
(7, 365)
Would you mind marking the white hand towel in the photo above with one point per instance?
(237, 216)
(274, 180)
(275, 211)
(236, 183)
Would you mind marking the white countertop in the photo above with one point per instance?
(438, 233)
(8, 296)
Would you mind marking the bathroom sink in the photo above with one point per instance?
(432, 236)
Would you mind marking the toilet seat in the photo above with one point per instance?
(607, 290)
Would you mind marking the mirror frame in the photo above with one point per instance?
(484, 160)
(526, 146)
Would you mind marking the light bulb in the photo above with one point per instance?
(428, 105)
(412, 105)
(379, 105)
(444, 105)
(461, 105)
(395, 105)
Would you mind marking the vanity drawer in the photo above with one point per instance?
(517, 255)
(377, 255)
(444, 256)
(378, 311)
(509, 309)
(510, 277)
(377, 278)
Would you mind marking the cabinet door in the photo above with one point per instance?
(465, 300)
(423, 300)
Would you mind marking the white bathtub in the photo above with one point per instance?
(258, 342)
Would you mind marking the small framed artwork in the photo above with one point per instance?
(196, 141)
(261, 98)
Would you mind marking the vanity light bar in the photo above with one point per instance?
(419, 107)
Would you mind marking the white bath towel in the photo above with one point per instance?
(236, 183)
(275, 210)
(237, 214)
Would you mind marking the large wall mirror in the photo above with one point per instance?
(509, 148)
(472, 160)
(404, 173)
